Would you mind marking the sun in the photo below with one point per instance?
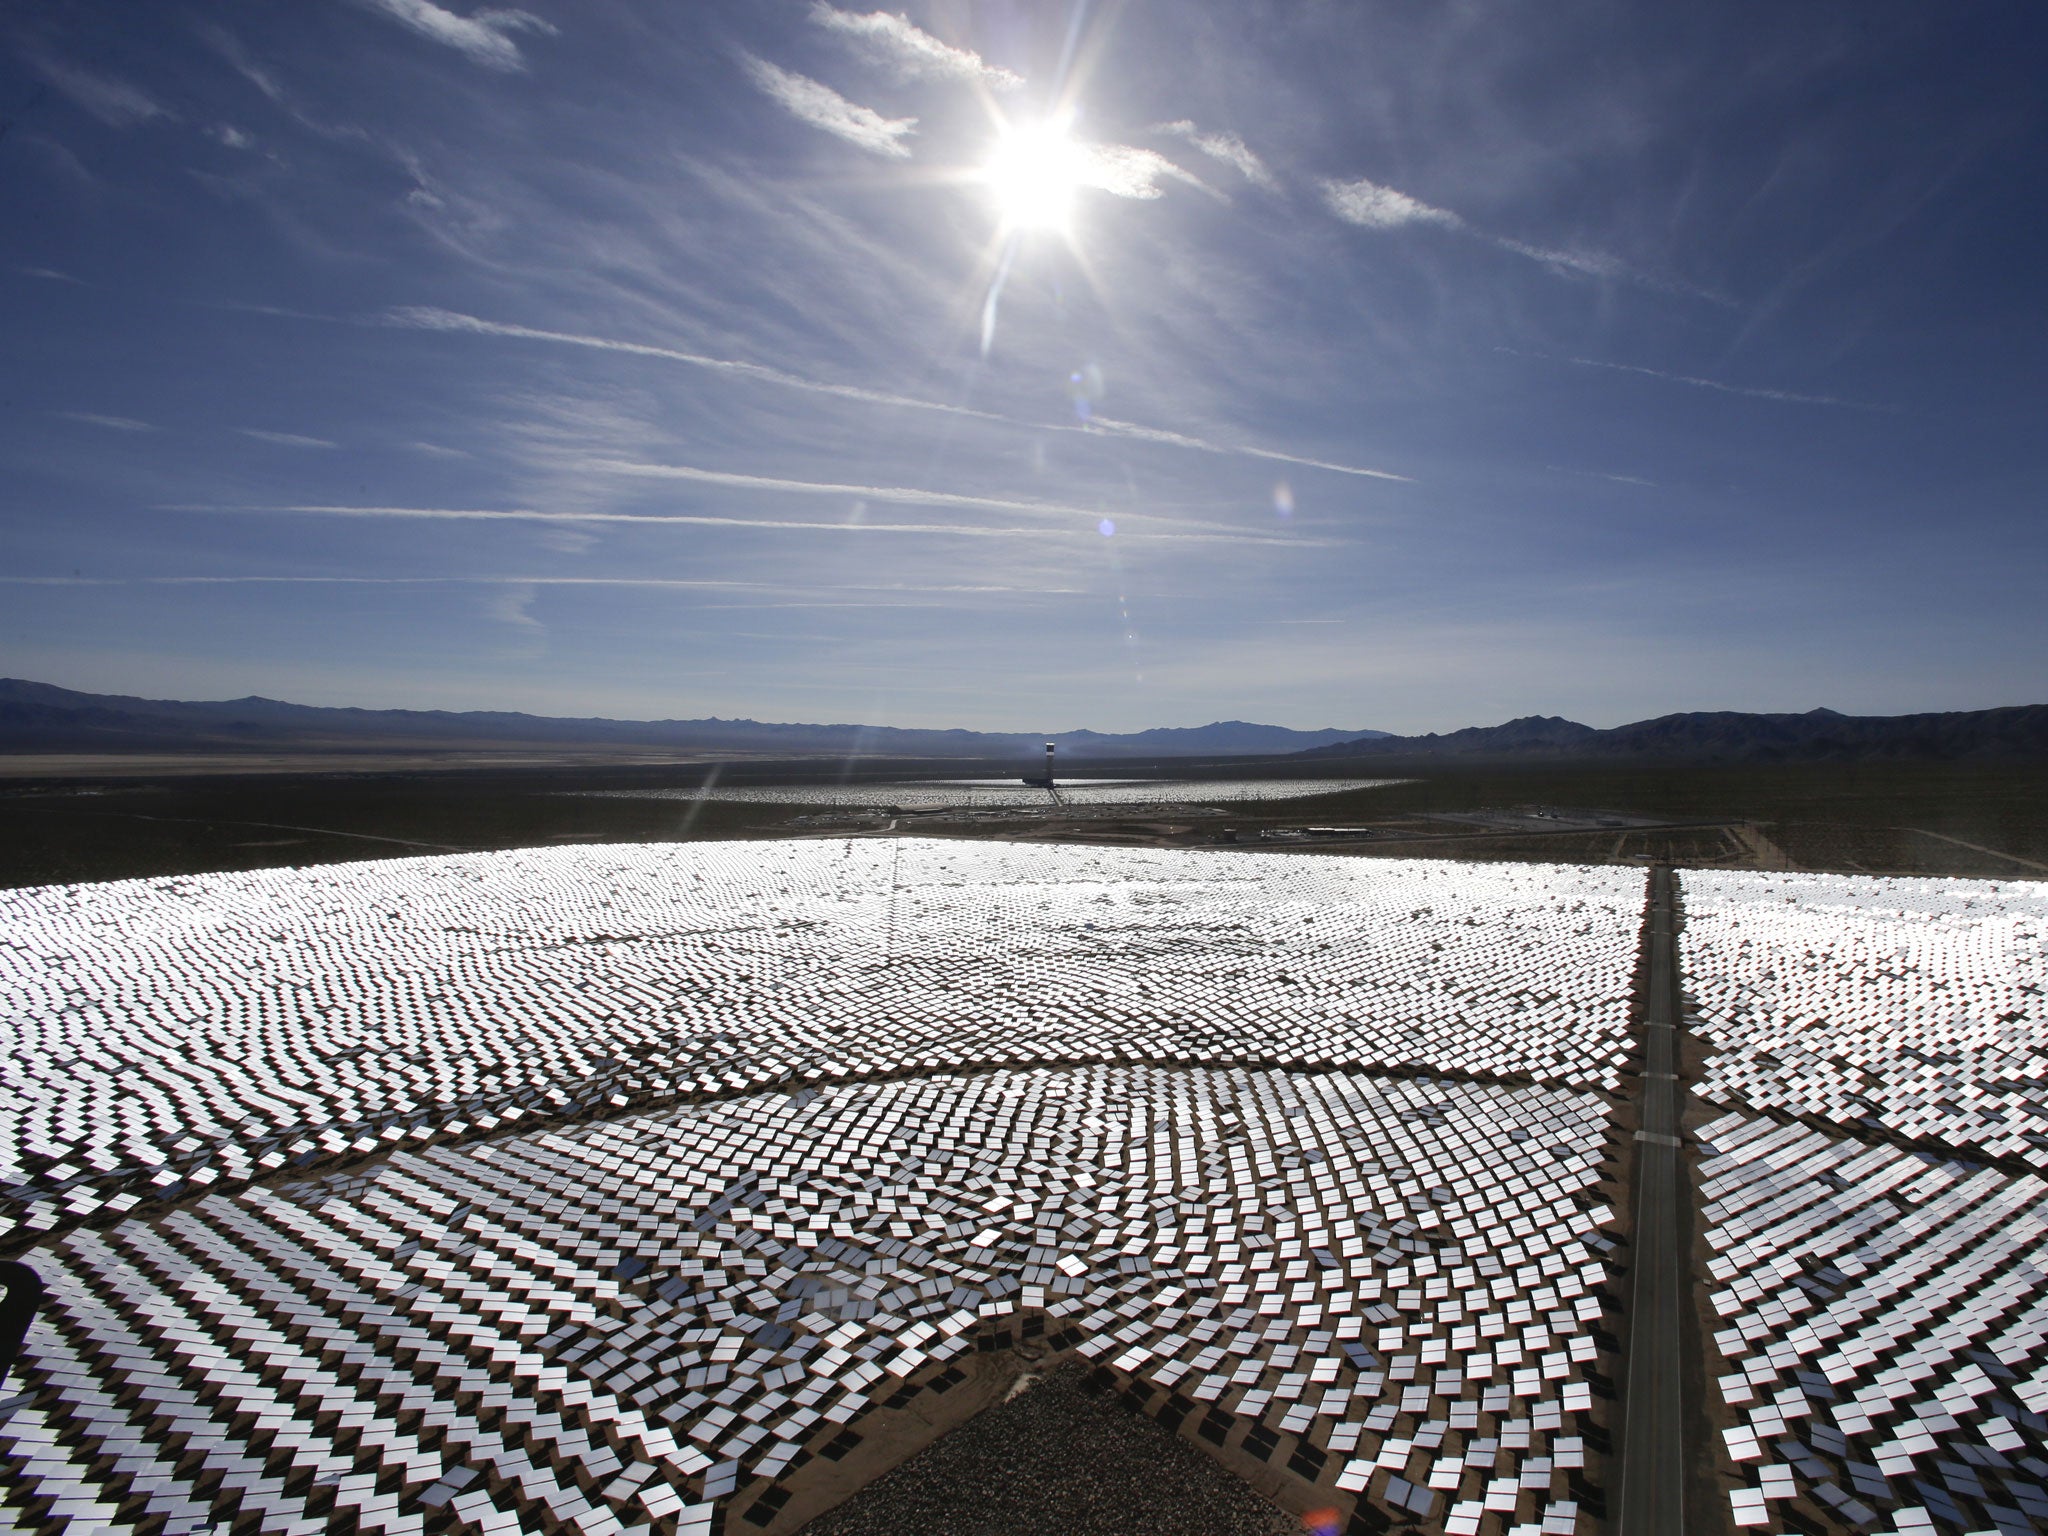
(1033, 174)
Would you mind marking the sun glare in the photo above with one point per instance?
(1033, 174)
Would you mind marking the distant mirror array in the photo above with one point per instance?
(992, 794)
(196, 1032)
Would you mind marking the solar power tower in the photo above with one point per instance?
(1045, 780)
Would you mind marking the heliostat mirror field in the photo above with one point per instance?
(665, 1187)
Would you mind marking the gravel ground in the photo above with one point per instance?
(1057, 1460)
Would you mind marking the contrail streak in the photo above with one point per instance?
(429, 318)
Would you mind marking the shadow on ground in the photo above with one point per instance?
(1060, 1459)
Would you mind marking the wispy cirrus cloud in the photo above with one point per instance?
(286, 439)
(112, 423)
(1227, 148)
(1125, 171)
(484, 37)
(113, 101)
(913, 52)
(1372, 206)
(1586, 263)
(1601, 474)
(229, 47)
(813, 102)
(1369, 205)
(513, 604)
(567, 541)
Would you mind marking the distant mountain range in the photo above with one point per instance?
(37, 717)
(1725, 736)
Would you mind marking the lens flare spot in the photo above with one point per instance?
(1283, 499)
(1084, 388)
(1106, 528)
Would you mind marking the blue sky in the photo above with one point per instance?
(1397, 366)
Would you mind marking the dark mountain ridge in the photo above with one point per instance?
(2015, 732)
(39, 717)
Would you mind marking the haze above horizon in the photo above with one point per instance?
(1129, 363)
